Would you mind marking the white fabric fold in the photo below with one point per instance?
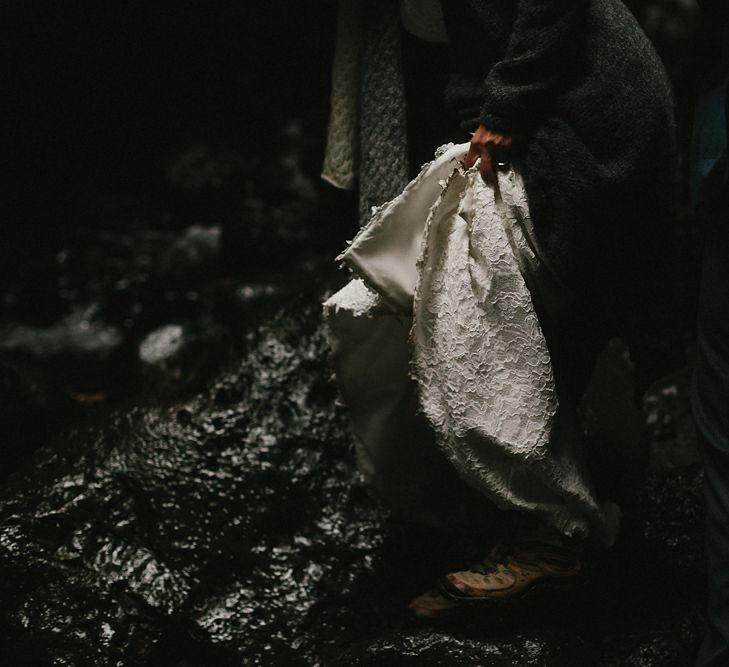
(450, 254)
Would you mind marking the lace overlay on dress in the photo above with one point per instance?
(478, 356)
(481, 361)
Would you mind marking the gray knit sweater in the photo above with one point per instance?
(583, 91)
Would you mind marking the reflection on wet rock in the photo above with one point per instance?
(77, 334)
(231, 526)
(78, 348)
(439, 648)
(165, 509)
(161, 344)
(177, 356)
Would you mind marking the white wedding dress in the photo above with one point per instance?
(437, 338)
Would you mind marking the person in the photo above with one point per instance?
(710, 395)
(573, 96)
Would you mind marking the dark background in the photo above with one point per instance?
(101, 97)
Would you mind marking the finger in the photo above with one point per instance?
(486, 168)
(471, 157)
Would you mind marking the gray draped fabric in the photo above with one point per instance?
(383, 168)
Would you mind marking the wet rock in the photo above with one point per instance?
(165, 515)
(669, 423)
(657, 651)
(77, 334)
(438, 648)
(196, 250)
(177, 356)
(33, 407)
(231, 527)
(204, 168)
(240, 304)
(78, 347)
(161, 345)
(673, 522)
(140, 273)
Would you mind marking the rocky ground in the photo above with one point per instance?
(179, 487)
(230, 527)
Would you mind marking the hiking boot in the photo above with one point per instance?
(433, 604)
(509, 572)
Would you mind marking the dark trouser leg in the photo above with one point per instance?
(711, 411)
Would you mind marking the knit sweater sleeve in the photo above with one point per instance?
(544, 51)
